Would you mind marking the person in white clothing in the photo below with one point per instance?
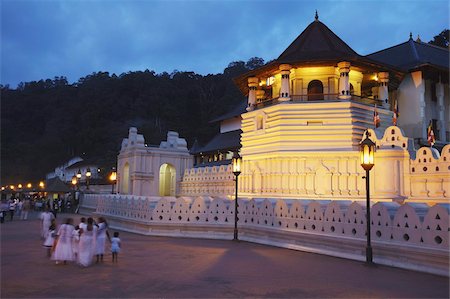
(46, 219)
(49, 241)
(63, 250)
(115, 246)
(75, 242)
(102, 233)
(86, 246)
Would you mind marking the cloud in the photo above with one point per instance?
(43, 39)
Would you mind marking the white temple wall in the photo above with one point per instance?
(412, 236)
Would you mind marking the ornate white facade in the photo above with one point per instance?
(143, 170)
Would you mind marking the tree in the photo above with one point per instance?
(441, 40)
(254, 63)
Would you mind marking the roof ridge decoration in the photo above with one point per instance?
(316, 17)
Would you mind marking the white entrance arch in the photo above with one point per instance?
(167, 180)
(125, 186)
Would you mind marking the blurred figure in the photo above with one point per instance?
(102, 233)
(50, 240)
(12, 208)
(63, 251)
(46, 219)
(82, 224)
(75, 242)
(86, 247)
(26, 207)
(115, 247)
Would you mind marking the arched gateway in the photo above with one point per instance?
(152, 170)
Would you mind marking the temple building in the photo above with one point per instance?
(300, 129)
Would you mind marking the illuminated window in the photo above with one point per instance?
(270, 81)
(315, 90)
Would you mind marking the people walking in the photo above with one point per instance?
(46, 219)
(63, 250)
(102, 233)
(86, 247)
(115, 246)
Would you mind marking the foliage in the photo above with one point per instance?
(45, 123)
(442, 39)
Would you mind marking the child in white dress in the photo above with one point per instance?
(50, 238)
(115, 246)
(75, 242)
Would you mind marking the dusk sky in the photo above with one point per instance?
(42, 39)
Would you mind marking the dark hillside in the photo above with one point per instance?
(45, 123)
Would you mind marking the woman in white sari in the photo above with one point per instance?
(86, 246)
(63, 250)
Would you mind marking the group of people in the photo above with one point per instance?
(78, 243)
(20, 207)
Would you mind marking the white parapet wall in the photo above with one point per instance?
(208, 181)
(412, 236)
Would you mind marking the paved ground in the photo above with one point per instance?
(155, 267)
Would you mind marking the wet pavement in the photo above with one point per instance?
(163, 267)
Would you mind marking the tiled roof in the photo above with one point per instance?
(317, 42)
(222, 141)
(412, 55)
(236, 111)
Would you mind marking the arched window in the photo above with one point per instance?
(315, 90)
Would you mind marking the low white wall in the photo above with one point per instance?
(412, 236)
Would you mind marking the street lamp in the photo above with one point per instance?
(79, 174)
(367, 149)
(41, 184)
(237, 160)
(113, 178)
(88, 176)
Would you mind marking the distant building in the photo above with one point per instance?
(74, 166)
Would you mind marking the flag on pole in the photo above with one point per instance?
(396, 114)
(376, 117)
(430, 134)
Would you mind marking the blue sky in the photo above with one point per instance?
(42, 39)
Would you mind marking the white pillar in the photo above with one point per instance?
(285, 94)
(441, 119)
(252, 85)
(383, 93)
(344, 80)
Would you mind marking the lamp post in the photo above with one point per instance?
(113, 178)
(237, 160)
(74, 184)
(88, 176)
(78, 178)
(367, 149)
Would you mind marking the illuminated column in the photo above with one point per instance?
(441, 119)
(383, 94)
(252, 85)
(285, 94)
(344, 80)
